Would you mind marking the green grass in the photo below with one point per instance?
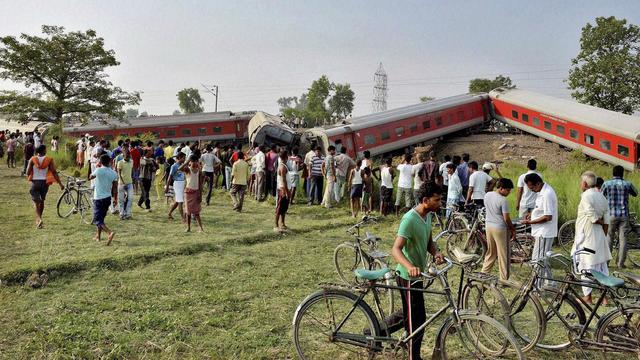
(159, 293)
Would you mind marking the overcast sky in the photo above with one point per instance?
(258, 51)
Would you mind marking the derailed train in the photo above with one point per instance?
(607, 135)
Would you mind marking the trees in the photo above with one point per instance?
(324, 101)
(426, 98)
(485, 85)
(64, 73)
(190, 101)
(606, 71)
(132, 113)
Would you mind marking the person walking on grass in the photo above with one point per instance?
(497, 228)
(284, 195)
(410, 248)
(315, 177)
(404, 184)
(29, 150)
(209, 162)
(41, 171)
(543, 219)
(160, 177)
(386, 186)
(193, 191)
(591, 229)
(124, 168)
(240, 173)
(525, 198)
(105, 188)
(11, 151)
(176, 179)
(354, 182)
(329, 171)
(617, 191)
(148, 169)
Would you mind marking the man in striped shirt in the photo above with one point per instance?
(617, 191)
(316, 177)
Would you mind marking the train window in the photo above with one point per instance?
(369, 139)
(413, 127)
(514, 114)
(108, 137)
(202, 131)
(573, 133)
(400, 130)
(217, 129)
(588, 139)
(536, 121)
(171, 133)
(560, 129)
(525, 117)
(124, 135)
(605, 144)
(426, 124)
(385, 135)
(185, 131)
(547, 125)
(623, 150)
(460, 115)
(156, 134)
(438, 121)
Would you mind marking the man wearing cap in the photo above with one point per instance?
(479, 183)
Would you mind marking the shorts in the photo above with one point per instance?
(386, 194)
(100, 209)
(356, 191)
(283, 203)
(178, 191)
(136, 174)
(39, 189)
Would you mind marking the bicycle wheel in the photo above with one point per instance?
(346, 259)
(66, 204)
(486, 299)
(566, 235)
(569, 309)
(466, 243)
(458, 222)
(622, 328)
(315, 322)
(476, 336)
(86, 208)
(528, 320)
(522, 248)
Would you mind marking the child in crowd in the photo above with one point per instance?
(367, 189)
(355, 184)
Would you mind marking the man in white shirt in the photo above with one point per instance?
(543, 219)
(209, 162)
(258, 161)
(454, 190)
(525, 198)
(186, 150)
(479, 183)
(442, 171)
(591, 230)
(417, 179)
(405, 174)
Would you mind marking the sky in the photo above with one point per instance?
(259, 51)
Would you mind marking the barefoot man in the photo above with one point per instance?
(105, 187)
(42, 173)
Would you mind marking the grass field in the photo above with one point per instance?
(159, 293)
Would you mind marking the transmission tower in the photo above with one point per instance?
(380, 90)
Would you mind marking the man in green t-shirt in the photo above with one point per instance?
(409, 250)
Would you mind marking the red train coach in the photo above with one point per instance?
(398, 128)
(218, 126)
(603, 134)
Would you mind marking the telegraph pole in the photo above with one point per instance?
(214, 91)
(380, 90)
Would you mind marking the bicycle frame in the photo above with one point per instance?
(364, 340)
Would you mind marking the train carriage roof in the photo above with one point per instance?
(167, 120)
(405, 112)
(601, 119)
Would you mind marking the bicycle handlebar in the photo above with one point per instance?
(365, 219)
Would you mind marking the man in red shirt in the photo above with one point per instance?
(135, 157)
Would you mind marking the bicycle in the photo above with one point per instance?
(566, 235)
(336, 323)
(350, 256)
(466, 241)
(454, 219)
(76, 199)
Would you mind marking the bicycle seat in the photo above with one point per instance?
(631, 277)
(463, 257)
(370, 237)
(605, 280)
(371, 274)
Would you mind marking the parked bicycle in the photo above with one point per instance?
(363, 253)
(566, 235)
(466, 241)
(337, 323)
(76, 199)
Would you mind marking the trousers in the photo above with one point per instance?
(125, 197)
(497, 248)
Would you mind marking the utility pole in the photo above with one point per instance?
(380, 90)
(214, 91)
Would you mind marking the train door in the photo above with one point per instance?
(239, 130)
